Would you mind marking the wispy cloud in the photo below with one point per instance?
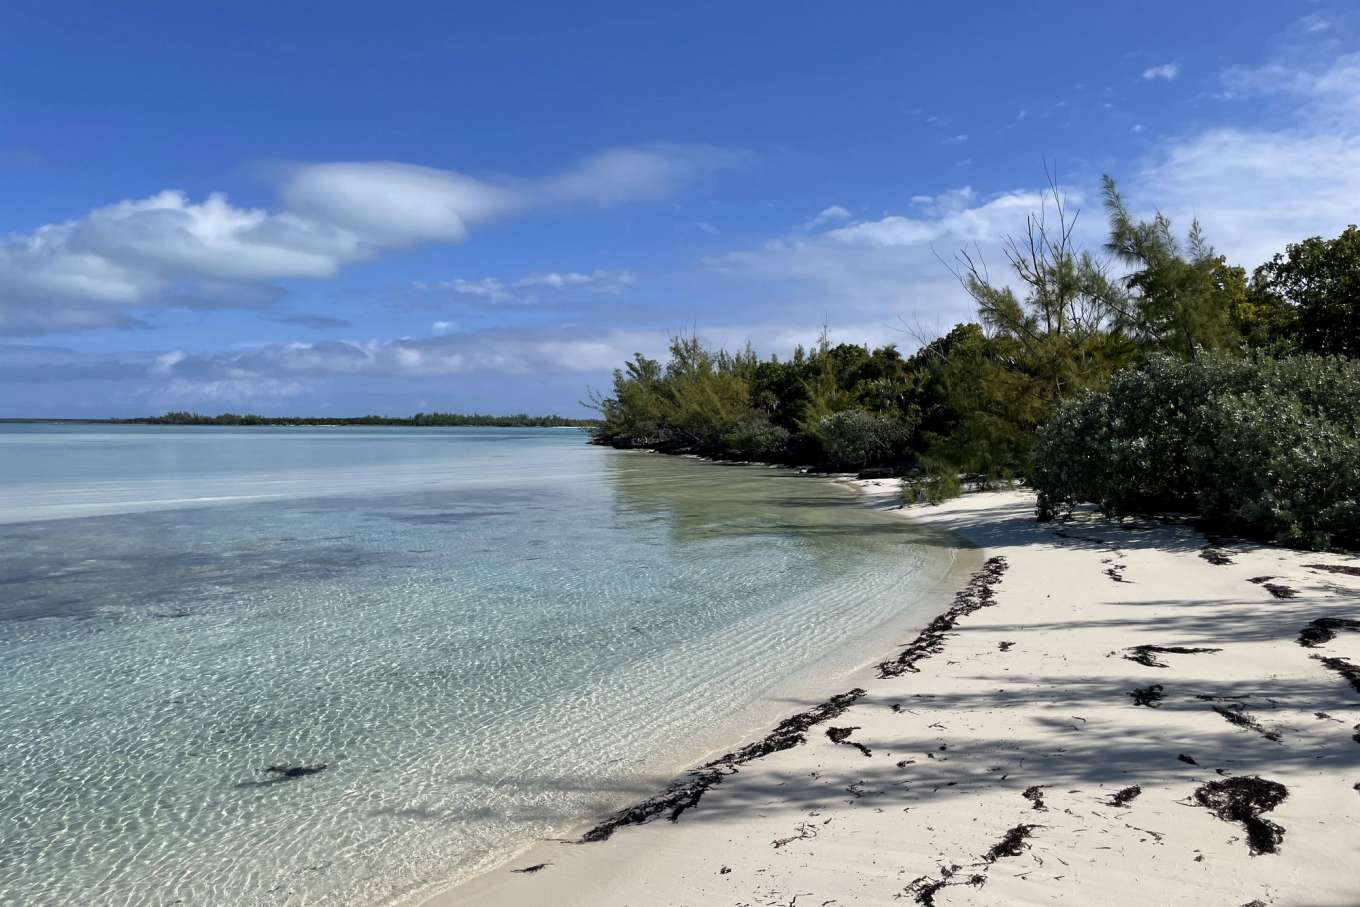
(1167, 72)
(832, 214)
(530, 288)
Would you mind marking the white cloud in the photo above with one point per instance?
(869, 274)
(1256, 190)
(829, 215)
(442, 327)
(956, 139)
(167, 250)
(1167, 72)
(525, 289)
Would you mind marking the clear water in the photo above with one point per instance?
(485, 635)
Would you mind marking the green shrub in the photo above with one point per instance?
(757, 439)
(1268, 448)
(937, 482)
(854, 438)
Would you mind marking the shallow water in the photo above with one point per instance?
(483, 634)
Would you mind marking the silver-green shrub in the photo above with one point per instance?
(1268, 448)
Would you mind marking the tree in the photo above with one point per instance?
(1068, 309)
(1178, 304)
(1320, 281)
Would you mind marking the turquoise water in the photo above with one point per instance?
(483, 634)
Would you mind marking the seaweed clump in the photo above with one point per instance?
(1147, 655)
(1126, 796)
(1243, 800)
(979, 593)
(1324, 629)
(1349, 671)
(686, 792)
(1012, 845)
(842, 735)
(1150, 696)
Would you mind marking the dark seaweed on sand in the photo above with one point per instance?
(1324, 629)
(686, 792)
(1126, 796)
(979, 593)
(1147, 655)
(1243, 800)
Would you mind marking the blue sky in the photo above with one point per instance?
(417, 206)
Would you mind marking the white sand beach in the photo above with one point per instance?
(1009, 762)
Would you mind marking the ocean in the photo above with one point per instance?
(485, 636)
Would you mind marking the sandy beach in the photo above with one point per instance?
(1105, 713)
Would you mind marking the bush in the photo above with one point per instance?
(938, 482)
(1256, 446)
(854, 438)
(757, 439)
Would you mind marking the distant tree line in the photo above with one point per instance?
(1178, 383)
(521, 420)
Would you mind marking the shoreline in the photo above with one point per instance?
(851, 662)
(1133, 701)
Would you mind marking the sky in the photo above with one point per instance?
(287, 208)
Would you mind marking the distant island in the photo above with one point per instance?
(420, 420)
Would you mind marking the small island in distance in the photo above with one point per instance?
(420, 420)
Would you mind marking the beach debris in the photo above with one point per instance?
(1188, 760)
(1348, 670)
(724, 870)
(1258, 580)
(805, 831)
(1115, 572)
(1280, 591)
(1243, 800)
(1150, 696)
(1237, 716)
(1343, 569)
(842, 735)
(1125, 796)
(1005, 646)
(1012, 845)
(686, 792)
(1035, 795)
(1147, 655)
(924, 888)
(1216, 556)
(530, 870)
(979, 593)
(289, 772)
(1324, 629)
(1323, 716)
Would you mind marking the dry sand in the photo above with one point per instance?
(990, 770)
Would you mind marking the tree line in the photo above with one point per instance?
(443, 420)
(1077, 368)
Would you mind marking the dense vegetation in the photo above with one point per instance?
(419, 419)
(1152, 376)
